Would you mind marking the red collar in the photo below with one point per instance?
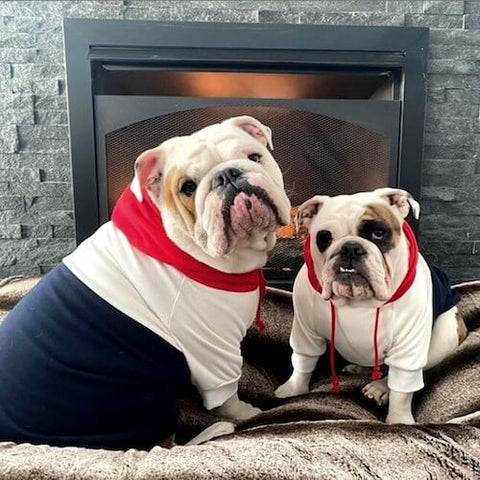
(141, 222)
(403, 287)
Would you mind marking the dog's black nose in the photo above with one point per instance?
(352, 250)
(223, 178)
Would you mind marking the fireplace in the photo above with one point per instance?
(346, 105)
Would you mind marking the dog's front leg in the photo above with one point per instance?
(236, 409)
(400, 408)
(297, 384)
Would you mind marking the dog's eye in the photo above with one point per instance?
(324, 239)
(188, 188)
(378, 233)
(255, 157)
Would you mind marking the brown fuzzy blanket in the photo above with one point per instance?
(313, 436)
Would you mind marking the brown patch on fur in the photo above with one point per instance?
(469, 305)
(383, 214)
(169, 442)
(179, 204)
(462, 331)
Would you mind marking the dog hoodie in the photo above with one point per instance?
(132, 264)
(396, 333)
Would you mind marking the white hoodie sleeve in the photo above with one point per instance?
(306, 343)
(412, 334)
(409, 353)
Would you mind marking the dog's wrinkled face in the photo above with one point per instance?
(357, 242)
(219, 187)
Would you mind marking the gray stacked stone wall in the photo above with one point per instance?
(36, 207)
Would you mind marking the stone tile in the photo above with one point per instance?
(93, 9)
(454, 65)
(44, 145)
(433, 21)
(460, 38)
(463, 96)
(51, 117)
(17, 39)
(31, 8)
(445, 194)
(147, 11)
(64, 231)
(445, 167)
(452, 125)
(355, 18)
(26, 132)
(12, 203)
(404, 6)
(472, 6)
(20, 174)
(472, 21)
(452, 110)
(213, 15)
(10, 231)
(444, 7)
(37, 79)
(16, 109)
(446, 80)
(275, 16)
(9, 139)
(30, 24)
(18, 55)
(455, 152)
(449, 139)
(37, 231)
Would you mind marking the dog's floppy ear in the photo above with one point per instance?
(307, 211)
(148, 172)
(256, 129)
(400, 199)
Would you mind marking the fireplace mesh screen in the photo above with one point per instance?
(318, 155)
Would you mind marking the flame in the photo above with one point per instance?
(289, 230)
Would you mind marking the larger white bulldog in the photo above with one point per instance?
(160, 295)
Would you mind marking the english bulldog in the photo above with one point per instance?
(159, 296)
(366, 290)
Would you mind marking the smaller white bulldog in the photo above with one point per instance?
(161, 295)
(366, 290)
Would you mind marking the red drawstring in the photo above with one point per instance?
(263, 289)
(376, 373)
(335, 383)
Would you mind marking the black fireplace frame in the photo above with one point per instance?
(230, 46)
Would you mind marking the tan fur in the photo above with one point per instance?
(177, 203)
(378, 211)
(461, 328)
(168, 442)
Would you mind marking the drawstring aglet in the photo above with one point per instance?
(376, 373)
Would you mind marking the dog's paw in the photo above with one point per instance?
(353, 369)
(289, 389)
(377, 391)
(246, 410)
(237, 409)
(405, 418)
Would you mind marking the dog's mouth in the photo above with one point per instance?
(247, 210)
(240, 211)
(350, 282)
